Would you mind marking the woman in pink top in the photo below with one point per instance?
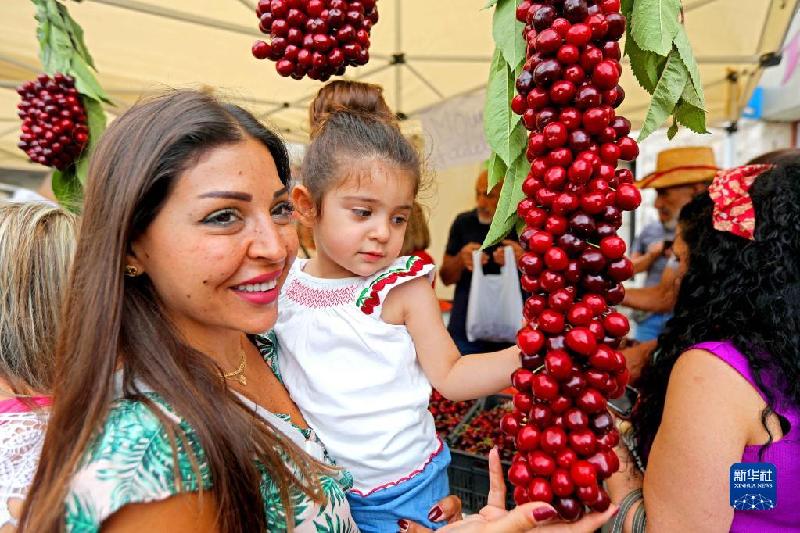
(37, 241)
(724, 384)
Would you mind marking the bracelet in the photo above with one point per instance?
(639, 519)
(627, 439)
(624, 508)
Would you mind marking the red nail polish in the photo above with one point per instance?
(435, 514)
(544, 513)
(402, 524)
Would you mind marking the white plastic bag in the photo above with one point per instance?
(494, 311)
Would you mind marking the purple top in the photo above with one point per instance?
(784, 454)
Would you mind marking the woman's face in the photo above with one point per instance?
(222, 244)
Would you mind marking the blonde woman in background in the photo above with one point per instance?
(418, 236)
(37, 241)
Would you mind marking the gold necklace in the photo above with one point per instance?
(238, 374)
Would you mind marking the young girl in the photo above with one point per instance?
(360, 335)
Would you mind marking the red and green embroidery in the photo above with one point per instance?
(368, 300)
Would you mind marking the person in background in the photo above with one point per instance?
(724, 384)
(307, 248)
(680, 174)
(466, 235)
(660, 298)
(418, 236)
(37, 242)
(43, 193)
(305, 237)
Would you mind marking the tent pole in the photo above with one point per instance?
(164, 12)
(398, 50)
(427, 83)
(247, 4)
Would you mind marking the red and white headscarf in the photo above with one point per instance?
(733, 207)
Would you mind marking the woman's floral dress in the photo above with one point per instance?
(131, 461)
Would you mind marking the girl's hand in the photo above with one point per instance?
(494, 518)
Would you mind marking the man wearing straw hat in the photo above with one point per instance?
(681, 173)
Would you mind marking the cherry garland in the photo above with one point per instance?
(315, 38)
(574, 262)
(54, 129)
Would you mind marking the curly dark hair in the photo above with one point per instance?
(736, 289)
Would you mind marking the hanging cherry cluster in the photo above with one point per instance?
(574, 262)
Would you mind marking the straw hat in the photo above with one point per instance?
(681, 166)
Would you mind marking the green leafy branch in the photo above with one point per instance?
(505, 133)
(62, 49)
(662, 62)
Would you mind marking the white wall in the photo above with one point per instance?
(449, 192)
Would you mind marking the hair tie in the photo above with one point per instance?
(733, 206)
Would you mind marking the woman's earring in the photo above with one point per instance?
(131, 271)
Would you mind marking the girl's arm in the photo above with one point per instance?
(458, 378)
(709, 416)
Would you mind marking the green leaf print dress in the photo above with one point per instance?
(131, 461)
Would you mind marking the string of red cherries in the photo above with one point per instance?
(54, 128)
(574, 262)
(315, 38)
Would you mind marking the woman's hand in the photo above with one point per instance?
(528, 517)
(448, 509)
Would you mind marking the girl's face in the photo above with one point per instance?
(221, 246)
(362, 222)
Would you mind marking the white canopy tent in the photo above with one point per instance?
(423, 53)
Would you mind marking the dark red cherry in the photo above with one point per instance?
(544, 387)
(553, 439)
(583, 441)
(541, 463)
(521, 379)
(519, 474)
(575, 10)
(616, 324)
(583, 473)
(509, 425)
(613, 247)
(570, 509)
(591, 401)
(539, 490)
(580, 315)
(581, 341)
(541, 415)
(616, 26)
(528, 438)
(559, 364)
(530, 341)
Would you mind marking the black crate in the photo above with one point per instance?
(468, 472)
(469, 480)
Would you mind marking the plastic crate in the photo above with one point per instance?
(469, 415)
(468, 472)
(469, 480)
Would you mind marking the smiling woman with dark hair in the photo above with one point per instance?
(164, 393)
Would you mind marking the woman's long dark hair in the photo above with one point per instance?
(110, 320)
(735, 289)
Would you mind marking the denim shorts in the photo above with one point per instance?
(412, 499)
